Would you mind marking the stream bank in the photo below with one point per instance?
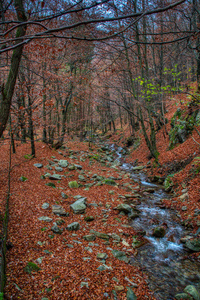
(163, 258)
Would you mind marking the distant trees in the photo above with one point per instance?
(83, 60)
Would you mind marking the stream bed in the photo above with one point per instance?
(164, 260)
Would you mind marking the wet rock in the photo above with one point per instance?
(124, 207)
(130, 294)
(134, 214)
(59, 210)
(73, 184)
(73, 226)
(136, 243)
(183, 296)
(193, 245)
(38, 165)
(79, 206)
(191, 290)
(159, 232)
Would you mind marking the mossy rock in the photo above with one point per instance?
(31, 267)
(110, 182)
(51, 184)
(23, 178)
(168, 183)
(89, 218)
(73, 184)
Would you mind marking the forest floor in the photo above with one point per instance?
(47, 260)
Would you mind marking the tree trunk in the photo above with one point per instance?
(6, 92)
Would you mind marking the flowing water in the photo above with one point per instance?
(164, 260)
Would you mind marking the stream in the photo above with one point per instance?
(164, 260)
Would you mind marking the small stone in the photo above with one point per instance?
(55, 177)
(58, 210)
(63, 195)
(45, 205)
(63, 163)
(89, 237)
(56, 229)
(58, 169)
(120, 255)
(84, 284)
(116, 237)
(89, 218)
(69, 245)
(23, 178)
(130, 294)
(184, 208)
(45, 219)
(119, 288)
(81, 178)
(51, 184)
(124, 208)
(38, 165)
(102, 255)
(73, 226)
(184, 197)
